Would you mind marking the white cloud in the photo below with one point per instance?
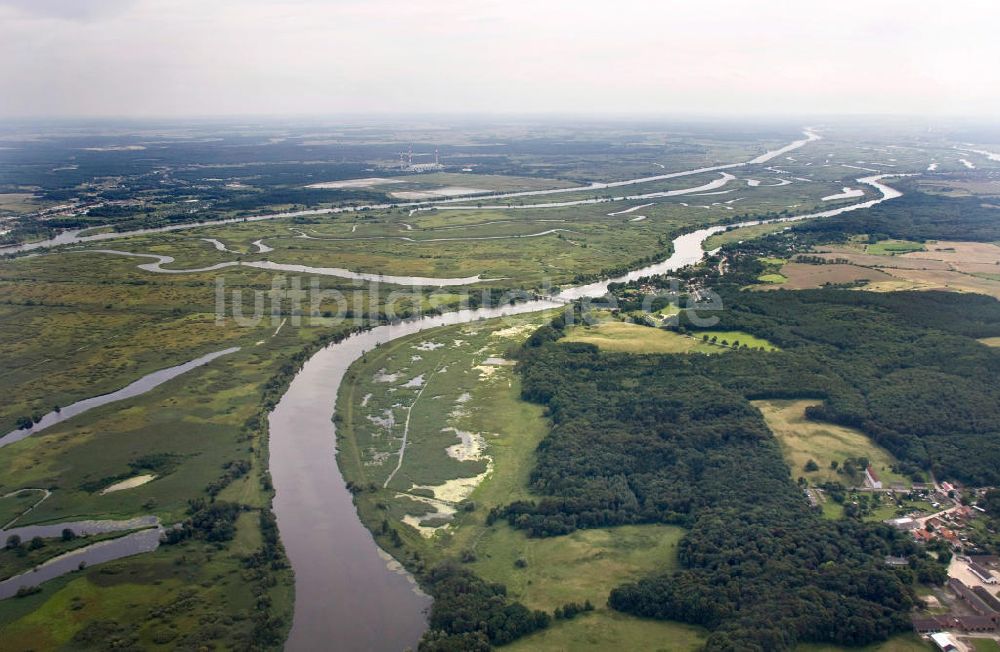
(68, 9)
(173, 57)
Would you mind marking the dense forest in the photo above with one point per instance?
(639, 439)
(471, 615)
(674, 439)
(902, 367)
(914, 216)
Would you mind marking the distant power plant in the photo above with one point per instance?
(406, 161)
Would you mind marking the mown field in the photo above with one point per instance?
(802, 440)
(635, 338)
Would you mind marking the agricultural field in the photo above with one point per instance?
(802, 276)
(939, 265)
(893, 247)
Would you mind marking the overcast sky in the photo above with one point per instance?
(226, 57)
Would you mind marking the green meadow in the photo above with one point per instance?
(465, 393)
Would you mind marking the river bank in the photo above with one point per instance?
(330, 550)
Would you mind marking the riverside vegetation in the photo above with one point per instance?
(639, 439)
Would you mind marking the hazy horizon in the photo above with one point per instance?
(157, 59)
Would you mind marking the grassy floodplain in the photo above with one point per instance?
(465, 393)
(76, 325)
(83, 323)
(494, 243)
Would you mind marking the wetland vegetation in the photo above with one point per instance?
(561, 486)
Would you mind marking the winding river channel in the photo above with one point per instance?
(140, 386)
(350, 594)
(79, 235)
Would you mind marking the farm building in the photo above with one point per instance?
(985, 575)
(944, 642)
(904, 523)
(965, 623)
(970, 598)
(975, 623)
(987, 597)
(929, 624)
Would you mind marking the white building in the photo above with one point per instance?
(945, 642)
(872, 478)
(903, 523)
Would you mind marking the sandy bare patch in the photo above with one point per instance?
(382, 377)
(386, 421)
(428, 346)
(499, 362)
(131, 483)
(458, 489)
(367, 182)
(417, 381)
(442, 510)
(436, 193)
(514, 331)
(485, 372)
(471, 446)
(846, 193)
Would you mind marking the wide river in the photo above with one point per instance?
(349, 594)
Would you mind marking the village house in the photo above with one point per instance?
(871, 478)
